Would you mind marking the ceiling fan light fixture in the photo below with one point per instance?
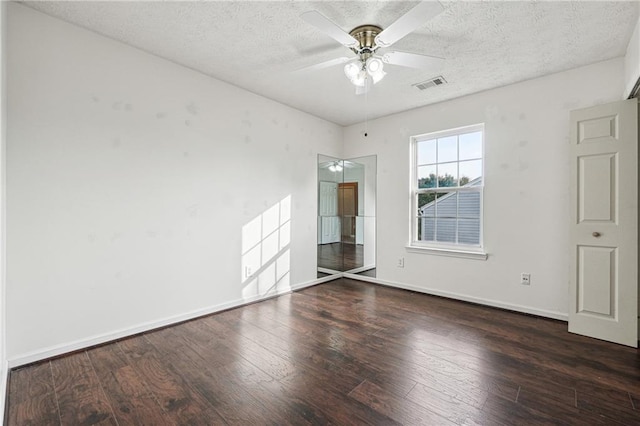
(374, 67)
(361, 79)
(378, 76)
(352, 69)
(362, 73)
(335, 167)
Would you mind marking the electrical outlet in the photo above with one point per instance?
(525, 278)
(247, 271)
(401, 262)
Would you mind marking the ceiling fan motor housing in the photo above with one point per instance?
(365, 34)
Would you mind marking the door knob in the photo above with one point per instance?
(596, 234)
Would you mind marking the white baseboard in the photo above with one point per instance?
(361, 277)
(315, 282)
(81, 344)
(358, 270)
(328, 271)
(488, 302)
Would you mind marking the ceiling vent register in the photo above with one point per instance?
(436, 81)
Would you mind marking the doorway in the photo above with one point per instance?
(348, 210)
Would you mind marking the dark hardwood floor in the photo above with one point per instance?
(344, 352)
(340, 256)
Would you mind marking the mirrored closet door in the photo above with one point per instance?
(346, 215)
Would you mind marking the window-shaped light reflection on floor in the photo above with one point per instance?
(265, 251)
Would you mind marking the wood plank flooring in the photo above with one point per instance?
(340, 256)
(345, 353)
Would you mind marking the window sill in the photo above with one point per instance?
(465, 254)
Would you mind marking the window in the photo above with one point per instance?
(447, 184)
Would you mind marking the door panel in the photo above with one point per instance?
(604, 223)
(330, 229)
(597, 281)
(597, 187)
(328, 203)
(592, 130)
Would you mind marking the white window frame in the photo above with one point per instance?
(435, 247)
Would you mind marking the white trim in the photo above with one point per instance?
(451, 252)
(328, 271)
(487, 302)
(64, 348)
(449, 190)
(360, 269)
(360, 277)
(632, 64)
(313, 282)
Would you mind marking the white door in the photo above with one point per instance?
(603, 299)
(329, 222)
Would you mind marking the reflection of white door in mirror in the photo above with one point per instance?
(348, 210)
(329, 222)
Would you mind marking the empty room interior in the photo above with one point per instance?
(319, 212)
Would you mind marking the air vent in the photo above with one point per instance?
(436, 81)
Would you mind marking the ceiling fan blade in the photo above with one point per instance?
(408, 22)
(323, 65)
(412, 60)
(322, 23)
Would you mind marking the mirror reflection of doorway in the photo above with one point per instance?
(329, 219)
(348, 210)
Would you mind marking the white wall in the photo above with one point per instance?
(130, 180)
(632, 61)
(526, 199)
(3, 115)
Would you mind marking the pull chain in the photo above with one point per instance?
(366, 112)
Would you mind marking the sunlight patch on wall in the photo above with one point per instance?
(265, 251)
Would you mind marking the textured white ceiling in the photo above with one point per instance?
(257, 45)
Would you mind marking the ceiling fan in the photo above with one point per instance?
(367, 68)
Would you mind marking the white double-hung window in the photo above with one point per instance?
(447, 185)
